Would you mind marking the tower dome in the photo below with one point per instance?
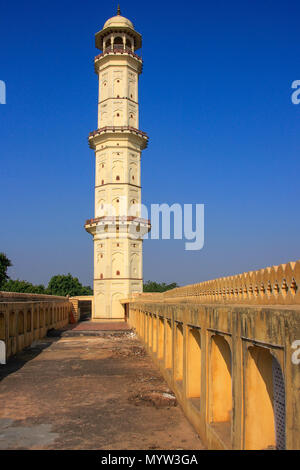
(118, 23)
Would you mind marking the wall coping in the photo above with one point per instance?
(274, 285)
(27, 297)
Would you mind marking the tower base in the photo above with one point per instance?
(107, 296)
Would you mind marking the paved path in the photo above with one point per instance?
(100, 326)
(99, 392)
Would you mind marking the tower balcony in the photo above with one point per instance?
(118, 49)
(128, 226)
(118, 130)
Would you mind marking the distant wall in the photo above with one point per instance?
(82, 305)
(25, 318)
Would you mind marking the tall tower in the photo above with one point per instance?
(117, 228)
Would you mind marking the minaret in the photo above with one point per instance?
(117, 228)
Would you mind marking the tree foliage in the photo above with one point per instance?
(23, 286)
(152, 286)
(5, 263)
(67, 285)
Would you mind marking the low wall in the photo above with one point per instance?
(234, 366)
(25, 318)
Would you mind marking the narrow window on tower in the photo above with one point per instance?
(118, 178)
(118, 273)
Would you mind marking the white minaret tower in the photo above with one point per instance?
(117, 228)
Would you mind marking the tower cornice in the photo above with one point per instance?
(96, 136)
(119, 98)
(117, 54)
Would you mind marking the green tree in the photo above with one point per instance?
(67, 285)
(152, 286)
(23, 286)
(5, 263)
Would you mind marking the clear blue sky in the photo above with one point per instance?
(215, 99)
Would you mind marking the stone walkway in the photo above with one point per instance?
(100, 326)
(89, 392)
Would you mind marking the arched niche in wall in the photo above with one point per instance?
(118, 117)
(100, 209)
(20, 323)
(132, 89)
(220, 387)
(100, 304)
(117, 264)
(117, 309)
(117, 171)
(103, 118)
(264, 404)
(104, 90)
(28, 321)
(133, 176)
(132, 119)
(134, 208)
(118, 87)
(101, 169)
(135, 266)
(12, 325)
(116, 207)
(2, 327)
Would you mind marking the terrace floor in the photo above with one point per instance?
(89, 392)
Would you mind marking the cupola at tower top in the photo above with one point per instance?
(118, 24)
(118, 20)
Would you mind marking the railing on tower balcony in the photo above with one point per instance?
(118, 49)
(119, 219)
(118, 129)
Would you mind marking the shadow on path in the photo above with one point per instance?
(17, 361)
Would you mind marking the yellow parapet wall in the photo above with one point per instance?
(230, 350)
(25, 318)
